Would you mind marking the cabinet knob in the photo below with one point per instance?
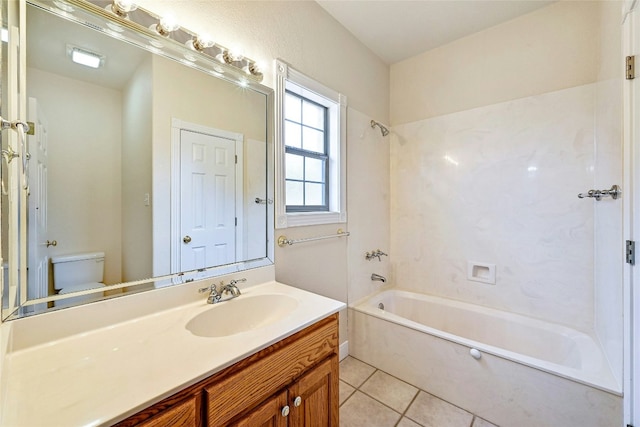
(297, 401)
(285, 411)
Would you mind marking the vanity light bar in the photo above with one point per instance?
(164, 33)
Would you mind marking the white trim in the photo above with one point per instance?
(240, 199)
(631, 223)
(338, 202)
(343, 350)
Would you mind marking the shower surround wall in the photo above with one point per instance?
(490, 172)
(498, 185)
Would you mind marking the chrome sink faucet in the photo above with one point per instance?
(230, 288)
(214, 297)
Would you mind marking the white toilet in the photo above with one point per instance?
(78, 272)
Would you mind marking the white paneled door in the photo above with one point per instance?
(207, 200)
(38, 274)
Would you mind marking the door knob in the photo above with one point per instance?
(186, 239)
(51, 243)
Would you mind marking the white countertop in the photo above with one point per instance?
(102, 376)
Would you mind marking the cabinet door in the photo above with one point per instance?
(182, 415)
(314, 398)
(268, 414)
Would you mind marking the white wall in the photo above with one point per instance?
(549, 49)
(84, 166)
(137, 219)
(368, 204)
(498, 185)
(496, 139)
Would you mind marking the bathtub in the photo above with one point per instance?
(510, 369)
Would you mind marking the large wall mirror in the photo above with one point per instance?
(149, 170)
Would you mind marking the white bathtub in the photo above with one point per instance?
(530, 372)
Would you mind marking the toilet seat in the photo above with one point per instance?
(80, 287)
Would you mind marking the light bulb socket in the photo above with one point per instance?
(230, 57)
(160, 29)
(201, 43)
(254, 69)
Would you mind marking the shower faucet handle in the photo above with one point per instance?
(375, 254)
(379, 253)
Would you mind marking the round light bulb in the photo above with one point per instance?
(236, 53)
(123, 7)
(169, 23)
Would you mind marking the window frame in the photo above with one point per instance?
(289, 79)
(302, 152)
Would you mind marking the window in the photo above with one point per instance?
(307, 154)
(310, 151)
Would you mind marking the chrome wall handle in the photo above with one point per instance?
(9, 154)
(614, 192)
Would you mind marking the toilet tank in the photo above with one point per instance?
(76, 269)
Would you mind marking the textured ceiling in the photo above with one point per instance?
(398, 29)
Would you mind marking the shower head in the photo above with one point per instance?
(383, 129)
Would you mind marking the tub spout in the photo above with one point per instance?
(377, 277)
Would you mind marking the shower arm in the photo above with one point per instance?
(383, 129)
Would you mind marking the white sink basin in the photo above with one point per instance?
(241, 314)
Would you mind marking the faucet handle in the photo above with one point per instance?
(212, 288)
(234, 282)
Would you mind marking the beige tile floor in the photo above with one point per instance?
(370, 397)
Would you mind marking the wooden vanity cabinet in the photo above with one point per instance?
(267, 414)
(306, 403)
(299, 373)
(182, 414)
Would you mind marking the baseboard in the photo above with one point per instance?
(344, 350)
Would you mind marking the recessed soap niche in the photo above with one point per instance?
(481, 272)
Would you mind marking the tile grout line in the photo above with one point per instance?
(409, 406)
(403, 414)
(383, 403)
(348, 397)
(357, 388)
